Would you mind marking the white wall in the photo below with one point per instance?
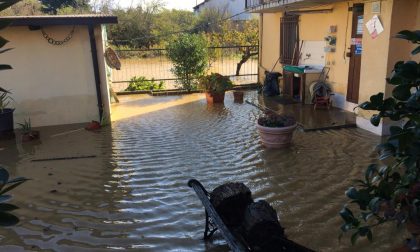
(232, 6)
(53, 85)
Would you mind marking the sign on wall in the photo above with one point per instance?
(374, 26)
(376, 7)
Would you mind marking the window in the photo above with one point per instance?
(289, 39)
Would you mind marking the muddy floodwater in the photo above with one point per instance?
(133, 194)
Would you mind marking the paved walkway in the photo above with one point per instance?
(320, 119)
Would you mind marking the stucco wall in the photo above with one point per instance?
(270, 42)
(52, 84)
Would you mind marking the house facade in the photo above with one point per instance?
(353, 39)
(59, 74)
(233, 7)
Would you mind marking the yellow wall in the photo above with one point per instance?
(312, 27)
(270, 44)
(316, 27)
(53, 84)
(378, 57)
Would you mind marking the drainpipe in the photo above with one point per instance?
(95, 62)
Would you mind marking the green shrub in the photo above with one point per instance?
(391, 192)
(142, 84)
(189, 56)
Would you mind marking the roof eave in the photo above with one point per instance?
(65, 20)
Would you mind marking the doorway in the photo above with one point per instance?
(355, 53)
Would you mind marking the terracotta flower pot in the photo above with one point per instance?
(215, 97)
(238, 96)
(276, 137)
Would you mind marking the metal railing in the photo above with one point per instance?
(153, 64)
(255, 3)
(250, 4)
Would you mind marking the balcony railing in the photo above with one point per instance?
(253, 4)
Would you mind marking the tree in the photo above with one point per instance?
(24, 8)
(392, 192)
(52, 6)
(169, 23)
(189, 56)
(135, 26)
(209, 20)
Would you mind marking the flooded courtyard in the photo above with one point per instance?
(132, 193)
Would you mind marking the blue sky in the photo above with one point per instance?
(170, 4)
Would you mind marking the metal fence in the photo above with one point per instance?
(154, 64)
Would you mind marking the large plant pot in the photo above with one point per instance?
(6, 121)
(238, 96)
(276, 137)
(215, 97)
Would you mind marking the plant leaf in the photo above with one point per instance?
(8, 188)
(4, 207)
(5, 67)
(375, 120)
(7, 219)
(4, 177)
(3, 41)
(4, 198)
(354, 238)
(402, 92)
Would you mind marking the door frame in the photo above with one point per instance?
(353, 84)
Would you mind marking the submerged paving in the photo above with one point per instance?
(133, 193)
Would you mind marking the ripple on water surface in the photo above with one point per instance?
(133, 195)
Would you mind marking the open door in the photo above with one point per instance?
(355, 54)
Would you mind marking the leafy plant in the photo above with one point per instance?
(190, 59)
(391, 192)
(141, 83)
(276, 121)
(5, 94)
(215, 83)
(6, 218)
(5, 99)
(26, 126)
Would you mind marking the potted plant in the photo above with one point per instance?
(6, 114)
(27, 133)
(215, 86)
(276, 131)
(7, 184)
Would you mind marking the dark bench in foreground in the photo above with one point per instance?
(245, 225)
